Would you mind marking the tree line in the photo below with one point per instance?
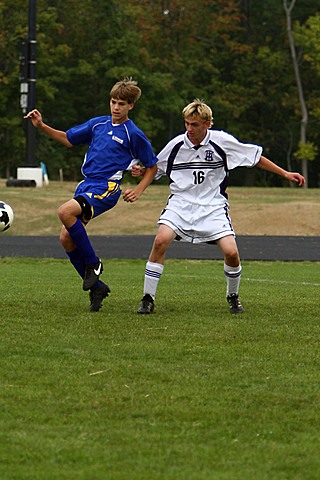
(235, 55)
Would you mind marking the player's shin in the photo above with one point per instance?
(80, 238)
(233, 276)
(77, 261)
(151, 279)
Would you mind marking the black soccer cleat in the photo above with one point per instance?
(92, 274)
(234, 303)
(147, 305)
(97, 295)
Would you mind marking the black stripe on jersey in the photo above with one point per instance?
(221, 152)
(172, 156)
(198, 165)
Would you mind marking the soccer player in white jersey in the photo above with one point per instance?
(115, 143)
(197, 164)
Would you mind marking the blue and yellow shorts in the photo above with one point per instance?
(99, 196)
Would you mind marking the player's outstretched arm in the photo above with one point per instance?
(132, 194)
(266, 164)
(57, 135)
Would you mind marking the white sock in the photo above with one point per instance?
(151, 279)
(233, 275)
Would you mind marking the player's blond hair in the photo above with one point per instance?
(126, 89)
(198, 108)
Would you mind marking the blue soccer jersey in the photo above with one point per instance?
(112, 147)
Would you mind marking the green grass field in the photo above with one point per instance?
(188, 393)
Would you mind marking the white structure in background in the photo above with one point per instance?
(38, 174)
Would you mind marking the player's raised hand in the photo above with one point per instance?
(35, 117)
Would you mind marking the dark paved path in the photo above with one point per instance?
(138, 246)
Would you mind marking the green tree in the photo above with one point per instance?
(233, 54)
(307, 37)
(12, 21)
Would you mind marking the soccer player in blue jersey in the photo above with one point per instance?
(197, 164)
(115, 143)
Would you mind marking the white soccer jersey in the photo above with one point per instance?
(199, 174)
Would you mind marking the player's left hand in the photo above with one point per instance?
(130, 195)
(296, 177)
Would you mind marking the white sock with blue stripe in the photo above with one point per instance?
(233, 275)
(151, 279)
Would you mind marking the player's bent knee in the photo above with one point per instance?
(62, 212)
(160, 244)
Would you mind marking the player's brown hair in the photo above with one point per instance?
(198, 108)
(126, 89)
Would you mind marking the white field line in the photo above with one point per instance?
(258, 280)
(282, 282)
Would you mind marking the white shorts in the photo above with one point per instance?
(196, 223)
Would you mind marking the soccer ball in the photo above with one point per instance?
(6, 216)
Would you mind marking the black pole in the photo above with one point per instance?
(31, 132)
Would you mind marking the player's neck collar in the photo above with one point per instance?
(205, 141)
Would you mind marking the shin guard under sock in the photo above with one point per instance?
(81, 240)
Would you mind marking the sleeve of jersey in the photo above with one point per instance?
(80, 134)
(239, 154)
(142, 149)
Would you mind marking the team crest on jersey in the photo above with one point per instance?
(209, 156)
